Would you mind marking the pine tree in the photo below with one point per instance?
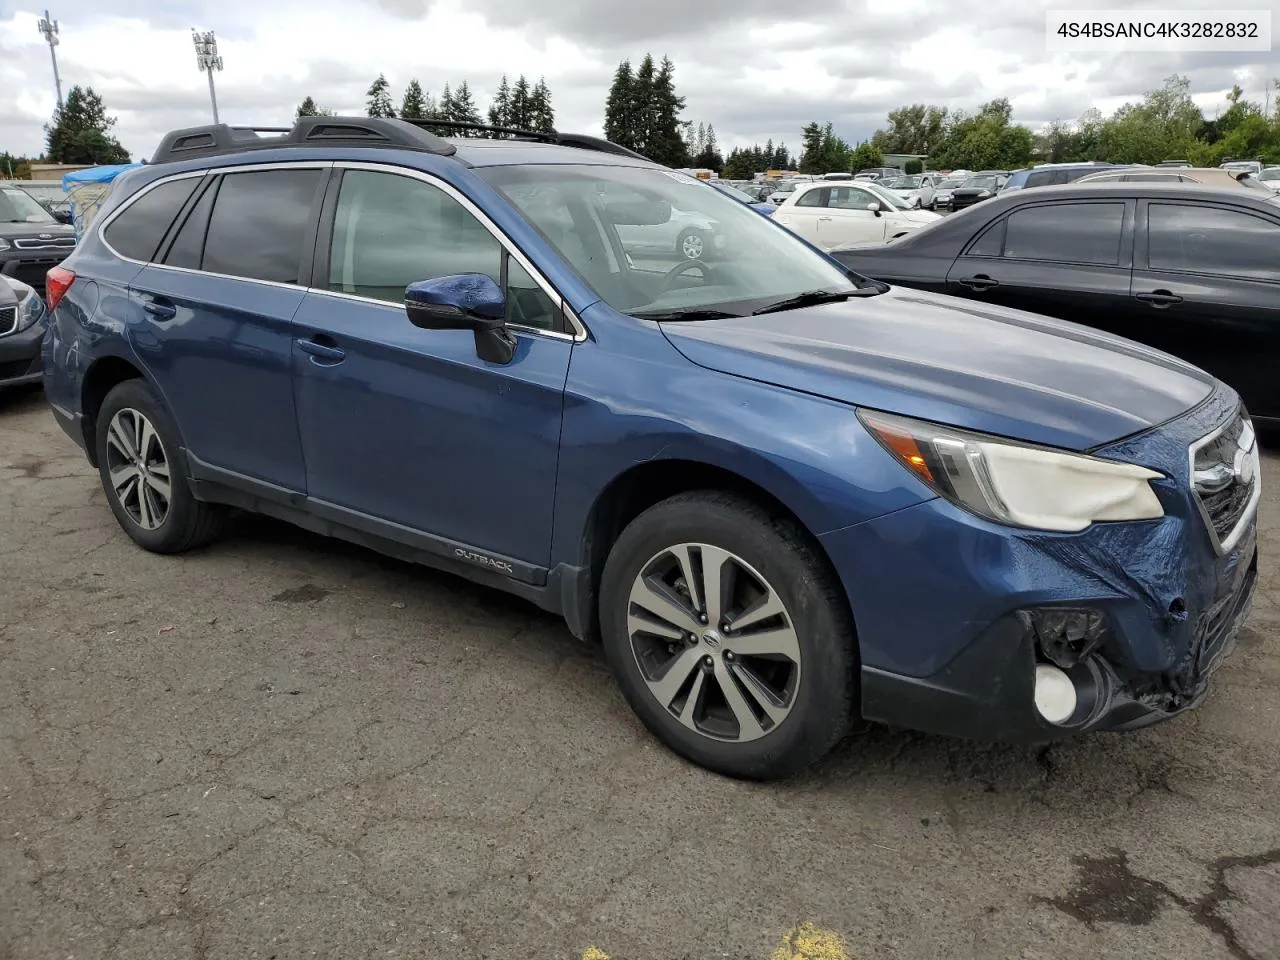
(667, 145)
(81, 131)
(709, 156)
(520, 97)
(414, 104)
(542, 115)
(464, 109)
(644, 120)
(500, 109)
(379, 104)
(619, 108)
(444, 110)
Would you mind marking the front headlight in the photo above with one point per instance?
(1017, 483)
(4, 244)
(30, 305)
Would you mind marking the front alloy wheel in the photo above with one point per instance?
(138, 467)
(693, 245)
(714, 642)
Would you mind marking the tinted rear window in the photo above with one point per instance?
(138, 230)
(1214, 240)
(259, 222)
(1066, 232)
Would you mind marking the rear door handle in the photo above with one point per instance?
(980, 282)
(821, 219)
(1159, 298)
(159, 309)
(323, 353)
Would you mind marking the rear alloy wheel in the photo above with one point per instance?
(143, 474)
(728, 636)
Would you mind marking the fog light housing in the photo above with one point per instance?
(1067, 635)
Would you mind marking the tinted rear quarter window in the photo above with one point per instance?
(1198, 239)
(138, 230)
(259, 222)
(990, 243)
(1046, 178)
(1066, 232)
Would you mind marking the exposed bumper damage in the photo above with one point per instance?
(1135, 615)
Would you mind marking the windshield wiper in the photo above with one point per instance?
(811, 298)
(688, 315)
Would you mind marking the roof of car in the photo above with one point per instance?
(1145, 189)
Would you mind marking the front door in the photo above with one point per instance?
(849, 219)
(409, 427)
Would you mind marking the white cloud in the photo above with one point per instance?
(751, 71)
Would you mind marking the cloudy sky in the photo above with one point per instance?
(753, 68)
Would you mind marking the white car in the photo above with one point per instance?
(917, 191)
(1251, 167)
(1270, 177)
(830, 215)
(690, 236)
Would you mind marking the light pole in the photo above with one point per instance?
(208, 61)
(49, 27)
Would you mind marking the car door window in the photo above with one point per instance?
(139, 228)
(1045, 178)
(1200, 239)
(188, 246)
(259, 222)
(1066, 232)
(850, 198)
(390, 231)
(813, 198)
(990, 243)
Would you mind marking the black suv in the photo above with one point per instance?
(31, 239)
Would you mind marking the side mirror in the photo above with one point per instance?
(62, 216)
(874, 207)
(464, 301)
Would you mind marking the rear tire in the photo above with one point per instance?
(144, 474)
(762, 699)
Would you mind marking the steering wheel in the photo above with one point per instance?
(680, 269)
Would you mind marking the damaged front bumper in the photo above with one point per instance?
(957, 617)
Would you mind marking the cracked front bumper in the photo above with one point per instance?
(945, 605)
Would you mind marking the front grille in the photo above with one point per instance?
(1225, 477)
(39, 243)
(8, 320)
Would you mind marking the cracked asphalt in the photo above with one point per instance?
(287, 747)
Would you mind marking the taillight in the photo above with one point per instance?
(56, 284)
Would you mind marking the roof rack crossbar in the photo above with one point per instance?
(211, 140)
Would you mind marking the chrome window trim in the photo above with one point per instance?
(1225, 545)
(505, 242)
(186, 175)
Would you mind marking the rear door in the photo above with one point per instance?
(214, 317)
(1206, 287)
(1067, 259)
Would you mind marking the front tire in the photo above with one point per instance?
(728, 636)
(143, 474)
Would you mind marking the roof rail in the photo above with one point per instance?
(216, 139)
(580, 140)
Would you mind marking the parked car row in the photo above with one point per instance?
(739, 470)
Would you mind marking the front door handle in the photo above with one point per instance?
(1159, 298)
(979, 282)
(321, 352)
(159, 309)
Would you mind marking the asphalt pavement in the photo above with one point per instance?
(286, 747)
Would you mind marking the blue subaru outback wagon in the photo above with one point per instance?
(782, 495)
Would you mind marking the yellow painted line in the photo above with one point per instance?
(807, 942)
(594, 953)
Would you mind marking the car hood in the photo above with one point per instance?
(15, 231)
(943, 359)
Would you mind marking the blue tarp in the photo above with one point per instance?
(104, 174)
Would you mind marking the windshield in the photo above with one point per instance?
(1271, 173)
(785, 188)
(735, 193)
(903, 183)
(950, 184)
(981, 183)
(894, 201)
(18, 206)
(657, 243)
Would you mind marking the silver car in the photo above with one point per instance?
(916, 190)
